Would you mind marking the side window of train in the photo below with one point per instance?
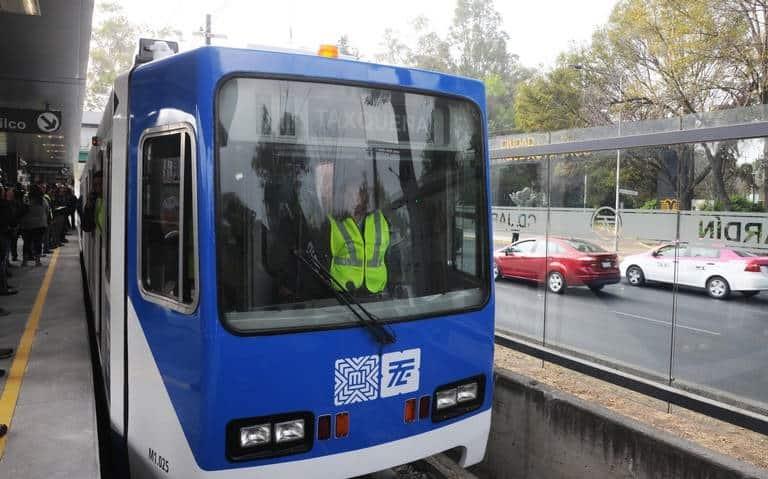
(167, 252)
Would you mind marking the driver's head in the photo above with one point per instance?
(355, 198)
(97, 182)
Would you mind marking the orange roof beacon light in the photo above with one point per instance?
(328, 51)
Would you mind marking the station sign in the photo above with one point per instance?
(14, 120)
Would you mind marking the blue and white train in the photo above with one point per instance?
(235, 336)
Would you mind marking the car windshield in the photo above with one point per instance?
(584, 246)
(745, 253)
(385, 189)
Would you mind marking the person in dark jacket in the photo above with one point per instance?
(7, 221)
(33, 225)
(7, 218)
(20, 195)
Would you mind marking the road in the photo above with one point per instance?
(720, 346)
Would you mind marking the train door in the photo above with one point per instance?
(162, 280)
(112, 315)
(105, 260)
(96, 256)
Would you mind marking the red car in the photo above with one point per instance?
(560, 262)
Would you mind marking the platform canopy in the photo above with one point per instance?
(43, 61)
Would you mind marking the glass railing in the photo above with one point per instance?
(672, 285)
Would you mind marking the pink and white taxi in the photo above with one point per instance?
(720, 271)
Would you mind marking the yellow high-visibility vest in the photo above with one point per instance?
(358, 258)
(376, 237)
(347, 254)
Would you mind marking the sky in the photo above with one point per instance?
(538, 30)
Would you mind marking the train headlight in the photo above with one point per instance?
(255, 435)
(289, 431)
(270, 436)
(467, 392)
(446, 398)
(457, 398)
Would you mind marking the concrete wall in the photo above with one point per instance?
(714, 228)
(541, 433)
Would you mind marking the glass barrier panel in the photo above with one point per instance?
(584, 134)
(650, 126)
(721, 321)
(520, 199)
(607, 310)
(732, 116)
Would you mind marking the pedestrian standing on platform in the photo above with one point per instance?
(33, 225)
(71, 207)
(7, 219)
(60, 215)
(47, 244)
(93, 211)
(20, 198)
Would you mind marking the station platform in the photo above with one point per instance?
(47, 396)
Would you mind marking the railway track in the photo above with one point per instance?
(439, 466)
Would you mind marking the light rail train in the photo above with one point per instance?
(289, 264)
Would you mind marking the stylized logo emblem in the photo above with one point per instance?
(400, 372)
(356, 380)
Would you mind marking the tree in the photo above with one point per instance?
(671, 60)
(475, 46)
(747, 51)
(551, 101)
(114, 40)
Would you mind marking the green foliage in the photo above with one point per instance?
(550, 102)
(737, 203)
(652, 204)
(114, 40)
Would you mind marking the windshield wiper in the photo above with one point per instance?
(381, 333)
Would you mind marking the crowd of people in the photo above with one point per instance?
(40, 215)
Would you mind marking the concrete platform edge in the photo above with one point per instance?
(539, 431)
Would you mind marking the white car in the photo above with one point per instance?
(718, 270)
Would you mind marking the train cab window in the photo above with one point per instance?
(379, 190)
(167, 250)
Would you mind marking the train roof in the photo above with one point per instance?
(223, 62)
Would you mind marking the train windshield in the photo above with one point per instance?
(383, 189)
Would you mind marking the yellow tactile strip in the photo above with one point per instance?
(21, 357)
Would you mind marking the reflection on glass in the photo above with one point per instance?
(383, 188)
(721, 320)
(608, 320)
(692, 253)
(519, 224)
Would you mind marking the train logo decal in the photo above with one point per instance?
(357, 379)
(400, 372)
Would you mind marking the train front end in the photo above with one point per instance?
(344, 320)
